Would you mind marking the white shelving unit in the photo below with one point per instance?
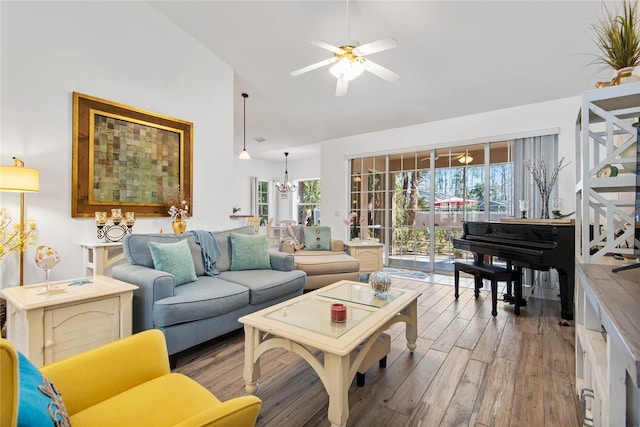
(606, 141)
(607, 305)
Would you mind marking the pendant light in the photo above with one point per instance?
(244, 155)
(286, 186)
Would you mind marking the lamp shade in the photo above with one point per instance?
(19, 179)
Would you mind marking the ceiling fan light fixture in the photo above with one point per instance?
(348, 68)
(465, 159)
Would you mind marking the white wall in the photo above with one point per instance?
(123, 52)
(485, 127)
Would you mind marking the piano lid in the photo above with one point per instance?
(562, 221)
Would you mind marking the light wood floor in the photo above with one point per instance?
(469, 369)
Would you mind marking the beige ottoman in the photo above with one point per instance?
(377, 353)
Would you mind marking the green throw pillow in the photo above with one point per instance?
(40, 402)
(249, 252)
(317, 238)
(174, 258)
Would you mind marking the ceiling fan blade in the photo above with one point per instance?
(380, 71)
(377, 46)
(313, 66)
(341, 87)
(328, 46)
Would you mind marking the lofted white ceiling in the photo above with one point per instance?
(455, 58)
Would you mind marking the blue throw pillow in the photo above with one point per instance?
(174, 258)
(40, 402)
(249, 252)
(317, 238)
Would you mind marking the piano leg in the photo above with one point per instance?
(518, 290)
(567, 282)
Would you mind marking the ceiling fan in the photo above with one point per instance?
(349, 60)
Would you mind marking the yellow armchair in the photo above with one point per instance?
(127, 383)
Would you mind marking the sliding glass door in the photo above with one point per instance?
(415, 203)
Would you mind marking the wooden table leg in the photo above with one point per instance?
(338, 381)
(412, 326)
(251, 363)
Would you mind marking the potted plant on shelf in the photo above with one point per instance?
(618, 38)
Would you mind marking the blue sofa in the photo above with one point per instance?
(204, 309)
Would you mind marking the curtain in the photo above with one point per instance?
(533, 148)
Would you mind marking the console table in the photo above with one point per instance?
(82, 314)
(608, 345)
(99, 257)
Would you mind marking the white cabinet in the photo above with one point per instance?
(368, 253)
(608, 345)
(50, 327)
(605, 171)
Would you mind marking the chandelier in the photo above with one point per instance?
(286, 186)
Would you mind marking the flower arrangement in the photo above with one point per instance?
(352, 222)
(12, 239)
(544, 182)
(178, 205)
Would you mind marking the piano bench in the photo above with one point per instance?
(479, 271)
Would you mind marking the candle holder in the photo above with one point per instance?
(115, 231)
(524, 207)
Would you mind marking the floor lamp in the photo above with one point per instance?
(21, 180)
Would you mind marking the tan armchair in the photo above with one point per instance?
(127, 383)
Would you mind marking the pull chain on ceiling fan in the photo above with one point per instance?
(349, 60)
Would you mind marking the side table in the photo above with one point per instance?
(99, 257)
(368, 253)
(50, 327)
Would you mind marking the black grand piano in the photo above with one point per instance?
(527, 245)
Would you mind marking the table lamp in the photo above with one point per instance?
(22, 180)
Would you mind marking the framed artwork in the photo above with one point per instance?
(128, 158)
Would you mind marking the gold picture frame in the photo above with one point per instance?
(128, 158)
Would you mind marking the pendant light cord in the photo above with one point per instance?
(244, 121)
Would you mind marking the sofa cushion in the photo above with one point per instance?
(36, 392)
(165, 400)
(249, 252)
(204, 298)
(317, 238)
(327, 264)
(174, 258)
(224, 260)
(267, 285)
(137, 252)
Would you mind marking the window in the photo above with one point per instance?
(263, 200)
(309, 202)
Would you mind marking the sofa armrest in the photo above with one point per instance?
(287, 247)
(281, 261)
(96, 375)
(152, 285)
(241, 411)
(337, 246)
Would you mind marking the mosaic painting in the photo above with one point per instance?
(133, 162)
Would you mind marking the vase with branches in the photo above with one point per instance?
(543, 180)
(178, 205)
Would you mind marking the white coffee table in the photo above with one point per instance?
(304, 323)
